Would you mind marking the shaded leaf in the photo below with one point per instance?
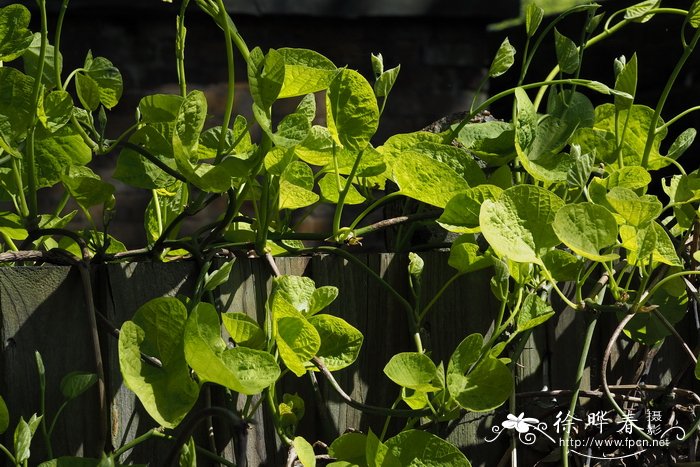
(414, 448)
(167, 393)
(340, 342)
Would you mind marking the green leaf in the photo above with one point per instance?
(626, 82)
(55, 110)
(647, 328)
(22, 441)
(167, 393)
(302, 294)
(296, 290)
(504, 59)
(609, 122)
(518, 225)
(352, 111)
(533, 18)
(292, 130)
(634, 209)
(567, 53)
(322, 297)
(86, 187)
(75, 383)
(340, 342)
(266, 73)
(240, 369)
(4, 416)
(296, 183)
(188, 126)
(525, 120)
(586, 228)
(188, 454)
(88, 91)
(638, 12)
(307, 108)
(415, 265)
(219, 277)
(466, 354)
(56, 151)
(108, 79)
(414, 371)
(458, 159)
(490, 141)
(305, 452)
(465, 255)
(297, 340)
(632, 177)
(575, 110)
(160, 108)
(484, 387)
(12, 226)
(533, 312)
(682, 143)
(31, 61)
(16, 105)
(209, 141)
(694, 14)
(377, 64)
(317, 148)
(305, 71)
(171, 202)
(350, 447)
(428, 180)
(664, 250)
(329, 190)
(15, 37)
(416, 448)
(386, 81)
(244, 330)
(378, 454)
(580, 170)
(563, 266)
(135, 170)
(291, 409)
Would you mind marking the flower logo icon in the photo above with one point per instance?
(520, 423)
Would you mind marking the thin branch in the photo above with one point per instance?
(53, 257)
(154, 160)
(83, 267)
(370, 409)
(383, 224)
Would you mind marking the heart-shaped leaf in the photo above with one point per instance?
(157, 328)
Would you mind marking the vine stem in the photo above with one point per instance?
(180, 50)
(590, 330)
(344, 193)
(36, 91)
(223, 16)
(604, 377)
(83, 268)
(369, 409)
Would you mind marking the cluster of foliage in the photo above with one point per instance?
(558, 194)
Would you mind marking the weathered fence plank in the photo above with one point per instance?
(43, 308)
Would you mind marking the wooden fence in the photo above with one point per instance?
(43, 309)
